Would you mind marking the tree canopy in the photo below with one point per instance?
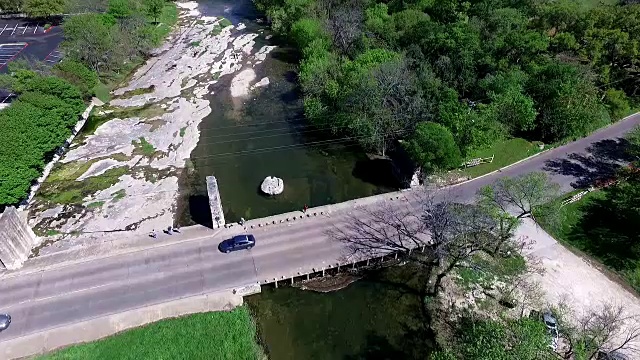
(44, 8)
(34, 126)
(485, 70)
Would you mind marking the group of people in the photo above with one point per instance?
(169, 231)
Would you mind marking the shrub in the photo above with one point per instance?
(77, 74)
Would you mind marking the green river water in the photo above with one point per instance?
(378, 317)
(242, 142)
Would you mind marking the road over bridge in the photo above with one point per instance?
(55, 292)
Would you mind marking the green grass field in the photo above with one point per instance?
(167, 19)
(569, 217)
(214, 335)
(566, 232)
(505, 152)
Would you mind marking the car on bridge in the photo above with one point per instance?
(5, 321)
(238, 242)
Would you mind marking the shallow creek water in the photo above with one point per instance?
(378, 317)
(243, 141)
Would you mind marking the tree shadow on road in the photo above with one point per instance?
(601, 162)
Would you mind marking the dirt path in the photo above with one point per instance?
(571, 280)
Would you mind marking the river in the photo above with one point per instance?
(378, 317)
(242, 142)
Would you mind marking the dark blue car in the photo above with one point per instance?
(238, 242)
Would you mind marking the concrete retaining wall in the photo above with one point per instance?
(16, 239)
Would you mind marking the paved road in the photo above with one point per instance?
(85, 290)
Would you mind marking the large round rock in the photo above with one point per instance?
(272, 185)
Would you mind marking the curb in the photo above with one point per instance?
(502, 168)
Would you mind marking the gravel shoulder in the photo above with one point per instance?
(571, 280)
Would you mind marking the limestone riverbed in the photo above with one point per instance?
(123, 175)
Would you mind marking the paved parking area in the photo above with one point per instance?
(17, 28)
(29, 40)
(9, 51)
(54, 57)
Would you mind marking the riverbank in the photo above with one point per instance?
(121, 175)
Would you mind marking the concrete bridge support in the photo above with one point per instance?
(16, 239)
(215, 203)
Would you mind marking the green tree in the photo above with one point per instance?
(509, 104)
(509, 39)
(77, 74)
(525, 193)
(11, 5)
(568, 102)
(119, 8)
(486, 339)
(44, 8)
(305, 31)
(617, 103)
(154, 8)
(432, 146)
(35, 124)
(88, 40)
(383, 101)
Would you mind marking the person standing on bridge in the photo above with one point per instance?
(305, 208)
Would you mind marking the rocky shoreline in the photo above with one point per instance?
(328, 283)
(133, 160)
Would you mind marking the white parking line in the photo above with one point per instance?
(5, 27)
(36, 29)
(6, 98)
(25, 30)
(14, 29)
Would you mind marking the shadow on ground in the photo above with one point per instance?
(601, 162)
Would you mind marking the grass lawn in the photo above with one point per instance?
(166, 20)
(569, 216)
(506, 152)
(102, 92)
(214, 335)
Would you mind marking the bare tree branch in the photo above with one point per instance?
(439, 235)
(524, 193)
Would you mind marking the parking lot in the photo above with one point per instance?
(54, 57)
(17, 29)
(10, 51)
(28, 40)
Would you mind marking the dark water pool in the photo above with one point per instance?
(379, 317)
